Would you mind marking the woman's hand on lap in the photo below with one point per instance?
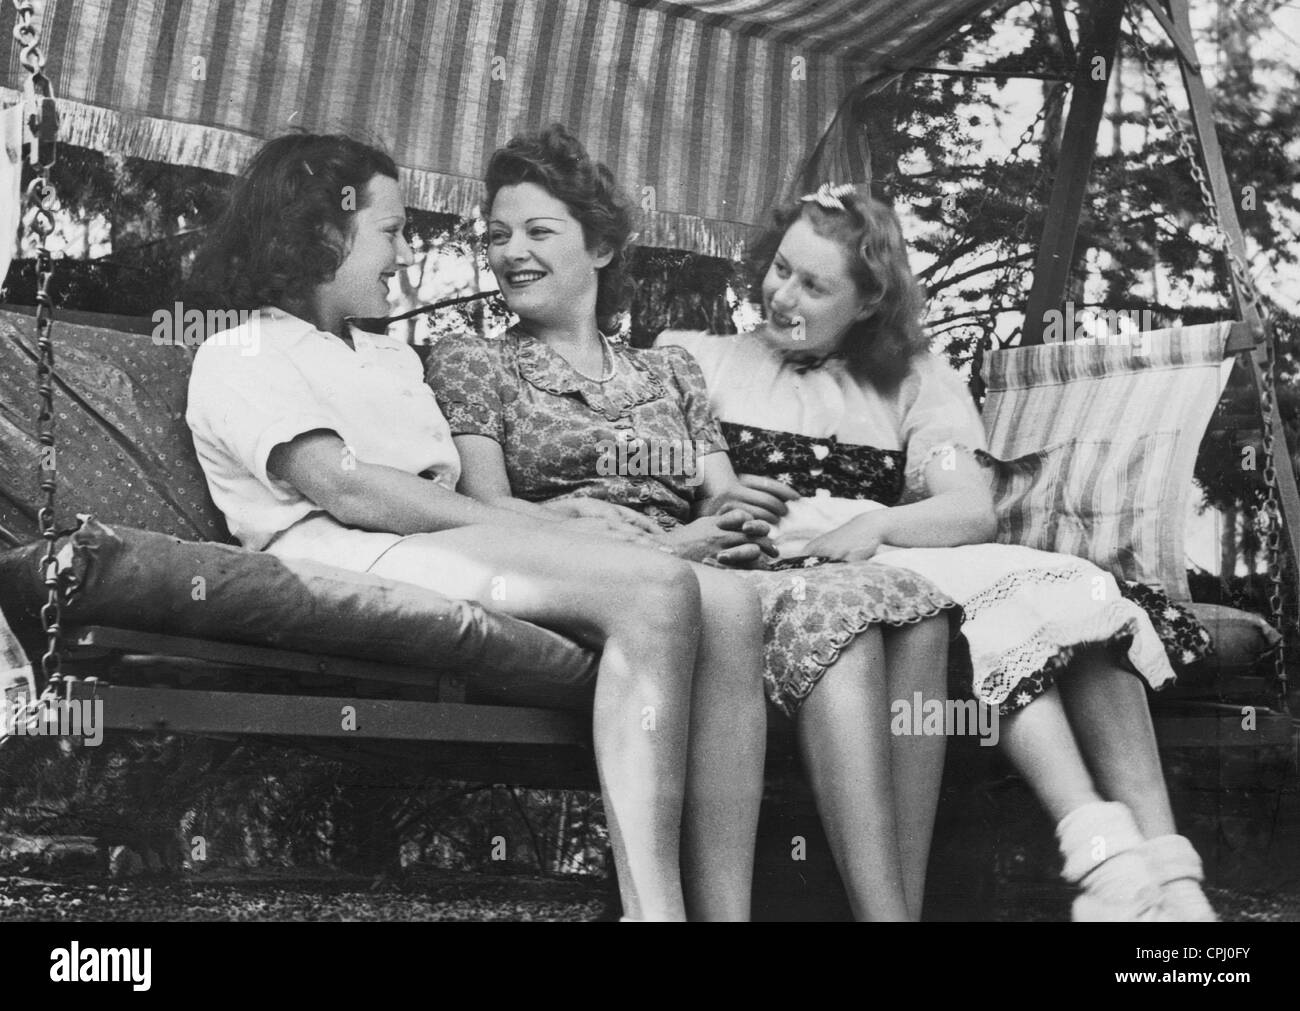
(582, 507)
(855, 541)
(586, 527)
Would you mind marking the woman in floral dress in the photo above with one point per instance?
(553, 413)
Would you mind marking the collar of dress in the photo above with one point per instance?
(550, 372)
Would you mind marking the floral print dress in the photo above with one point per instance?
(635, 440)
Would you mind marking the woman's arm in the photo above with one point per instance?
(960, 511)
(483, 477)
(733, 538)
(375, 497)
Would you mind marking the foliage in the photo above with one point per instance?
(204, 803)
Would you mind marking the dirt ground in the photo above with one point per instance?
(444, 896)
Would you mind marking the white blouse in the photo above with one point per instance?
(749, 383)
(247, 396)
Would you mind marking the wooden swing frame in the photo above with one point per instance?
(1061, 222)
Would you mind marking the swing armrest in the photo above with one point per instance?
(1242, 337)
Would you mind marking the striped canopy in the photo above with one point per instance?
(707, 111)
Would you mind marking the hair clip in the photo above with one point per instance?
(830, 197)
(307, 166)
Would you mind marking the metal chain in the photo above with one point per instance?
(1012, 157)
(1252, 304)
(43, 126)
(1018, 237)
(1013, 271)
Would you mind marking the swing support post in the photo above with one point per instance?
(1207, 139)
(1100, 41)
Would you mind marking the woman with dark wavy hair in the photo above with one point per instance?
(838, 380)
(326, 444)
(555, 412)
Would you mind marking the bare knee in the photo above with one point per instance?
(659, 596)
(928, 633)
(729, 603)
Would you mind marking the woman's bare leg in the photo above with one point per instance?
(1107, 708)
(843, 731)
(644, 610)
(1040, 744)
(1103, 709)
(917, 659)
(728, 742)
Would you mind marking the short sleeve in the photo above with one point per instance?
(465, 375)
(688, 379)
(241, 407)
(938, 417)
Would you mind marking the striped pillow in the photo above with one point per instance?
(1088, 497)
(1098, 443)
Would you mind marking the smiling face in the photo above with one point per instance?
(376, 250)
(539, 254)
(809, 297)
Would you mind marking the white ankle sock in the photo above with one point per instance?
(1177, 867)
(1091, 834)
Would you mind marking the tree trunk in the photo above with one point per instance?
(561, 838)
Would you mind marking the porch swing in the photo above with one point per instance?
(477, 691)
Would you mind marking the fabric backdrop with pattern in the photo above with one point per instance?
(707, 111)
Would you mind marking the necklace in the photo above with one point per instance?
(607, 361)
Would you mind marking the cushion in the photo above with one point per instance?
(1241, 640)
(146, 581)
(1086, 496)
(124, 449)
(1118, 426)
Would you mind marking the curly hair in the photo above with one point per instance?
(882, 347)
(278, 236)
(555, 160)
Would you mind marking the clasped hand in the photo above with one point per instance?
(764, 498)
(854, 541)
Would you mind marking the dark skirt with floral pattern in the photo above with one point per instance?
(811, 615)
(796, 633)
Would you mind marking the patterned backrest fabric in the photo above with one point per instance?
(1093, 446)
(124, 451)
